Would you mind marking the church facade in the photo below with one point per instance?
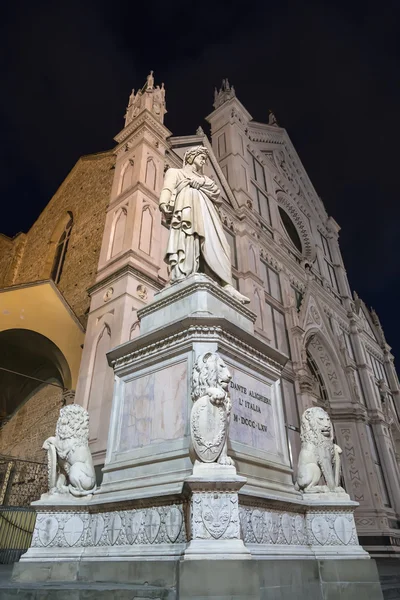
(72, 286)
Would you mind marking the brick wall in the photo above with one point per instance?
(85, 193)
(31, 425)
(6, 254)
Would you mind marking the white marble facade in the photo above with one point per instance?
(286, 258)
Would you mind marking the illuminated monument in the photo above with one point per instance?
(195, 415)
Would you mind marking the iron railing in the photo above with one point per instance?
(21, 481)
(16, 529)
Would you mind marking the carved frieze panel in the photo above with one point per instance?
(331, 528)
(152, 525)
(263, 526)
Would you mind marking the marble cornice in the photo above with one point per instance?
(145, 117)
(374, 351)
(208, 286)
(139, 186)
(256, 134)
(121, 272)
(203, 328)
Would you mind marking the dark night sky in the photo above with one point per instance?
(329, 70)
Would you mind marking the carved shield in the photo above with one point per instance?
(133, 526)
(274, 533)
(216, 514)
(208, 428)
(343, 529)
(173, 523)
(114, 528)
(287, 527)
(97, 528)
(257, 523)
(48, 530)
(152, 522)
(73, 530)
(52, 466)
(299, 526)
(320, 529)
(267, 523)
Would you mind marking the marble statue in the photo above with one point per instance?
(197, 241)
(272, 119)
(319, 456)
(133, 107)
(150, 81)
(70, 462)
(210, 416)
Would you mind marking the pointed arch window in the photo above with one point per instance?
(61, 251)
(290, 229)
(320, 388)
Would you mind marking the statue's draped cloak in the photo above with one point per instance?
(196, 228)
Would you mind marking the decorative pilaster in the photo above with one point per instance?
(131, 267)
(214, 529)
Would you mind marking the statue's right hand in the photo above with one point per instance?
(165, 209)
(195, 184)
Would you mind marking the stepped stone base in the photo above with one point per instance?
(195, 580)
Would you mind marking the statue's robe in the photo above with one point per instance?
(195, 228)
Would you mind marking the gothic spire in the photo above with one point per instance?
(150, 97)
(225, 93)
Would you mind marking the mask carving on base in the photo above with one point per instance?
(319, 456)
(70, 462)
(210, 416)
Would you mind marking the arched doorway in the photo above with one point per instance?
(28, 362)
(33, 376)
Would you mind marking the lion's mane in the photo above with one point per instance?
(76, 425)
(205, 374)
(310, 432)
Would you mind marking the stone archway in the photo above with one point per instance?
(28, 362)
(33, 376)
(327, 363)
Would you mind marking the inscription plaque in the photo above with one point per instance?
(253, 419)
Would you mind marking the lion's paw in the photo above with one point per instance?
(226, 460)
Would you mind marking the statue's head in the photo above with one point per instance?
(73, 422)
(316, 426)
(197, 155)
(209, 371)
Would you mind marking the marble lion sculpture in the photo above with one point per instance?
(319, 456)
(70, 462)
(210, 416)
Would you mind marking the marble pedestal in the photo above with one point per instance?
(148, 451)
(152, 504)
